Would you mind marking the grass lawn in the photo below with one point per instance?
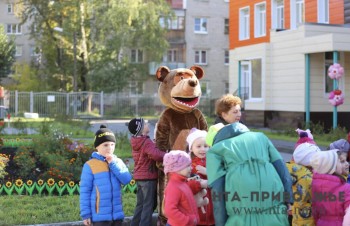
(28, 210)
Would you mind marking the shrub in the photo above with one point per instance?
(53, 155)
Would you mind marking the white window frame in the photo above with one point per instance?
(34, 51)
(260, 20)
(323, 11)
(244, 24)
(200, 57)
(277, 14)
(297, 13)
(201, 25)
(171, 55)
(226, 57)
(136, 56)
(205, 88)
(10, 8)
(19, 50)
(247, 80)
(13, 29)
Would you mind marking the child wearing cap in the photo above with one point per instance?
(179, 204)
(198, 149)
(100, 183)
(330, 192)
(301, 173)
(343, 146)
(145, 154)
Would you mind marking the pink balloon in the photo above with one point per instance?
(336, 97)
(335, 71)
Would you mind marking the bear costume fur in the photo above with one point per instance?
(180, 92)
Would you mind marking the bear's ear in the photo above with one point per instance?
(198, 71)
(162, 72)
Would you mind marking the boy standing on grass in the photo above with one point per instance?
(145, 154)
(100, 183)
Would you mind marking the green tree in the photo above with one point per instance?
(105, 31)
(7, 53)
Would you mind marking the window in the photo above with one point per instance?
(172, 24)
(136, 56)
(300, 11)
(14, 29)
(328, 81)
(34, 51)
(171, 56)
(323, 11)
(227, 57)
(19, 50)
(277, 14)
(9, 8)
(135, 88)
(200, 57)
(227, 26)
(251, 79)
(200, 25)
(205, 88)
(244, 23)
(297, 13)
(260, 20)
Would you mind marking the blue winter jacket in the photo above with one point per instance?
(100, 188)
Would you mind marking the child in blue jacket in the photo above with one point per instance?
(100, 183)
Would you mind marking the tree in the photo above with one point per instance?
(104, 30)
(7, 53)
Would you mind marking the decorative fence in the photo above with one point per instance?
(89, 104)
(50, 187)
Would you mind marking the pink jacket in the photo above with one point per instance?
(179, 204)
(330, 198)
(145, 154)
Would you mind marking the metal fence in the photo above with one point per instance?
(88, 104)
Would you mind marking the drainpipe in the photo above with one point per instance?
(307, 90)
(335, 86)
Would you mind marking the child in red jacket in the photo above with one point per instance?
(198, 149)
(179, 204)
(145, 154)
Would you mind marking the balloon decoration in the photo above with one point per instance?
(336, 71)
(336, 97)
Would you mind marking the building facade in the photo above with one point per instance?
(280, 52)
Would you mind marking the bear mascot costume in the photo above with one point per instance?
(180, 92)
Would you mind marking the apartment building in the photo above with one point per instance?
(280, 52)
(26, 50)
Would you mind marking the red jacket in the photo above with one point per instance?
(145, 154)
(208, 217)
(179, 204)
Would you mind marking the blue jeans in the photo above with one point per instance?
(146, 201)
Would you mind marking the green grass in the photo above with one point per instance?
(28, 210)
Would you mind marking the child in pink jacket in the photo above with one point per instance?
(179, 204)
(330, 192)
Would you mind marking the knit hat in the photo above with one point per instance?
(103, 135)
(176, 160)
(341, 145)
(213, 130)
(325, 162)
(193, 135)
(135, 126)
(303, 153)
(305, 136)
